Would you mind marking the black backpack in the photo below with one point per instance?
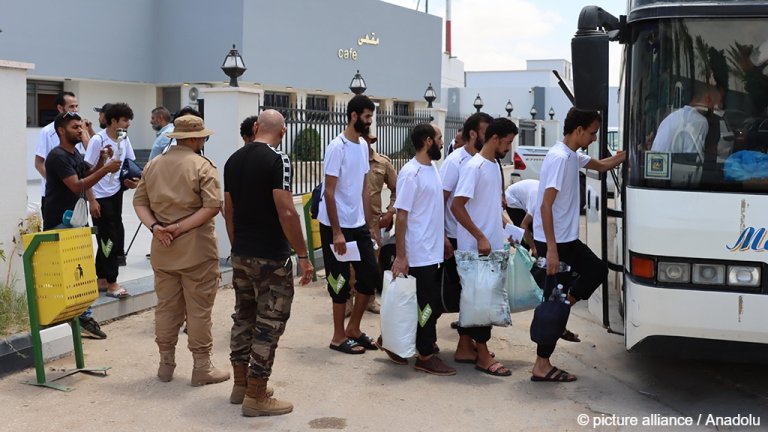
(317, 196)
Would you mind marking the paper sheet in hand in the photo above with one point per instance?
(352, 254)
(515, 232)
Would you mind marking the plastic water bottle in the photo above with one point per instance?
(541, 262)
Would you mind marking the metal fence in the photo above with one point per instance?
(452, 125)
(309, 132)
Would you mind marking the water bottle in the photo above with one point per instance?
(541, 262)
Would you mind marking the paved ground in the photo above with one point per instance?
(368, 393)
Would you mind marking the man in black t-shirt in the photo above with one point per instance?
(68, 177)
(262, 225)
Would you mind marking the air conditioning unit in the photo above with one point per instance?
(190, 95)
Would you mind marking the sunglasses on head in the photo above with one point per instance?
(72, 114)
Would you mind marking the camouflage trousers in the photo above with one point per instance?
(263, 297)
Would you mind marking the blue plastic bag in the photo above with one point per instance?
(522, 290)
(746, 165)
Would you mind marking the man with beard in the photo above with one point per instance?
(344, 216)
(160, 119)
(420, 241)
(473, 133)
(69, 177)
(477, 207)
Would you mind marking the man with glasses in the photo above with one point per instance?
(69, 177)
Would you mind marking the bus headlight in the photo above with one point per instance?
(709, 274)
(744, 276)
(674, 272)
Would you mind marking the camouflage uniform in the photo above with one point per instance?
(263, 297)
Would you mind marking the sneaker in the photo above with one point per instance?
(91, 328)
(434, 366)
(121, 261)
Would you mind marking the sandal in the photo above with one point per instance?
(495, 369)
(570, 336)
(118, 294)
(555, 375)
(347, 347)
(365, 341)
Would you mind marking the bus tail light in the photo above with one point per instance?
(744, 276)
(708, 274)
(642, 267)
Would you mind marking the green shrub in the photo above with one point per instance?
(14, 316)
(306, 145)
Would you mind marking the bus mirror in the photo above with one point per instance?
(589, 53)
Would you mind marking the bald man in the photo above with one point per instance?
(263, 225)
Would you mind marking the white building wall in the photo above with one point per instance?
(452, 74)
(13, 194)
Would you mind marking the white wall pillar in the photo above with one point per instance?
(225, 109)
(551, 132)
(13, 194)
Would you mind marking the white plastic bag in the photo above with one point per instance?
(80, 214)
(483, 298)
(399, 315)
(523, 291)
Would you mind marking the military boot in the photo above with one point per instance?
(240, 374)
(167, 365)
(256, 402)
(203, 371)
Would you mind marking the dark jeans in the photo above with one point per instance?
(109, 236)
(478, 334)
(337, 273)
(591, 269)
(427, 294)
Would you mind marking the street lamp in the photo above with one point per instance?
(533, 113)
(478, 103)
(430, 95)
(357, 85)
(233, 66)
(551, 113)
(509, 108)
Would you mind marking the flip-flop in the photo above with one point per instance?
(495, 369)
(365, 341)
(555, 375)
(570, 336)
(119, 294)
(347, 347)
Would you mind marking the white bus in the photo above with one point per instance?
(686, 237)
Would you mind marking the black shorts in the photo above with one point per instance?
(337, 273)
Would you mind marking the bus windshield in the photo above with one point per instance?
(698, 117)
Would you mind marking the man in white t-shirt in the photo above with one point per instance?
(477, 207)
(473, 137)
(521, 206)
(106, 204)
(65, 102)
(685, 130)
(556, 223)
(420, 241)
(344, 216)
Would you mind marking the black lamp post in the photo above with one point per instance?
(430, 95)
(509, 108)
(533, 113)
(551, 113)
(478, 104)
(233, 66)
(357, 86)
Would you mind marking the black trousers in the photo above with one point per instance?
(337, 273)
(591, 269)
(478, 334)
(109, 236)
(428, 280)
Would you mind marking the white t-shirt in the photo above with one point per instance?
(480, 181)
(110, 183)
(560, 170)
(48, 140)
(522, 195)
(682, 131)
(449, 173)
(348, 162)
(420, 193)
